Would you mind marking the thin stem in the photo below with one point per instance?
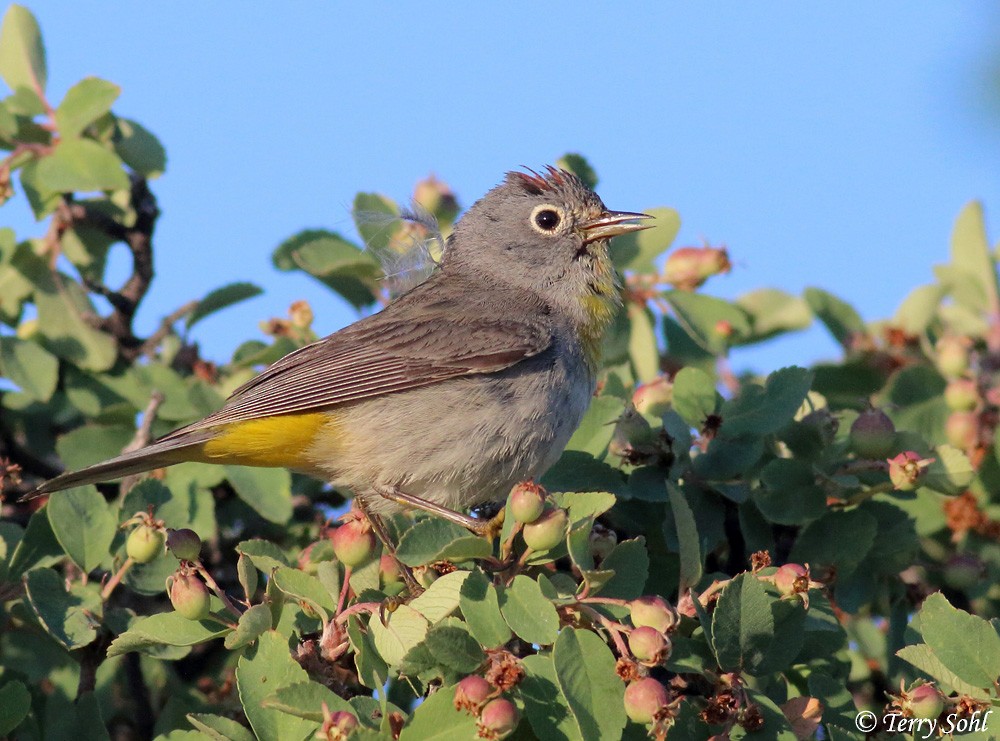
(116, 579)
(220, 593)
(359, 607)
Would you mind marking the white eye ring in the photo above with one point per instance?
(546, 218)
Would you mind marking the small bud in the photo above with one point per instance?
(872, 434)
(961, 429)
(498, 719)
(792, 578)
(906, 469)
(353, 542)
(184, 543)
(961, 395)
(547, 531)
(654, 398)
(527, 502)
(688, 267)
(923, 701)
(189, 595)
(952, 355)
(388, 569)
(648, 645)
(471, 693)
(436, 198)
(300, 314)
(643, 698)
(652, 611)
(337, 726)
(144, 543)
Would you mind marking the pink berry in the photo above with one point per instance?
(498, 719)
(961, 395)
(953, 355)
(792, 578)
(353, 542)
(643, 698)
(961, 429)
(688, 267)
(906, 470)
(924, 701)
(648, 645)
(471, 693)
(189, 596)
(653, 398)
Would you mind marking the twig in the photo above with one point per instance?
(116, 579)
(151, 342)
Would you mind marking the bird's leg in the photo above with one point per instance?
(488, 529)
(378, 525)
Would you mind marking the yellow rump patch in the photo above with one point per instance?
(279, 442)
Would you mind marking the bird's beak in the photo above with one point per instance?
(612, 224)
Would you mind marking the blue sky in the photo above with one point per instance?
(826, 145)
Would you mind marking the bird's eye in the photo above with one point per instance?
(546, 218)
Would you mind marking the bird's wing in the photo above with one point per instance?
(380, 355)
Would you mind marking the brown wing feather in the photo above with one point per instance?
(381, 354)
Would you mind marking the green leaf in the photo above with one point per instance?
(83, 104)
(455, 648)
(376, 219)
(252, 624)
(950, 473)
(221, 298)
(687, 537)
(480, 606)
(436, 719)
(147, 634)
(261, 672)
(638, 251)
(773, 312)
(790, 495)
(918, 309)
(306, 699)
(630, 562)
(15, 704)
(371, 668)
(305, 588)
(764, 411)
(840, 539)
(29, 366)
(742, 625)
(38, 547)
(83, 524)
(140, 149)
(67, 334)
(703, 316)
(441, 598)
(327, 256)
(264, 554)
(579, 166)
(839, 317)
(81, 165)
(923, 657)
(694, 396)
(404, 629)
(970, 253)
(965, 644)
(91, 444)
(585, 673)
(65, 616)
(435, 539)
(268, 491)
(544, 704)
(22, 54)
(642, 347)
(219, 728)
(596, 429)
(528, 612)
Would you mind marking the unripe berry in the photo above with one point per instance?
(498, 719)
(471, 692)
(961, 429)
(184, 543)
(652, 611)
(189, 596)
(872, 434)
(792, 578)
(643, 698)
(388, 569)
(653, 398)
(924, 701)
(353, 542)
(437, 198)
(648, 645)
(547, 531)
(144, 543)
(527, 502)
(961, 395)
(952, 355)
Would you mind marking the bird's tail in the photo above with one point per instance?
(173, 449)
